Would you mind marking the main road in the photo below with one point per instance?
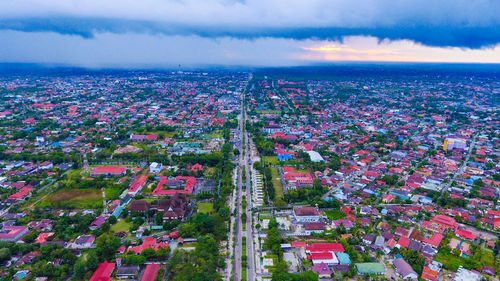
(245, 148)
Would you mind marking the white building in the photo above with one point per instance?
(466, 275)
(315, 156)
(306, 214)
(155, 167)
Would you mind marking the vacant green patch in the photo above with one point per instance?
(269, 111)
(335, 215)
(205, 208)
(121, 225)
(272, 160)
(448, 260)
(112, 193)
(208, 172)
(213, 136)
(276, 180)
(74, 199)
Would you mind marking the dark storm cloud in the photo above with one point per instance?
(445, 23)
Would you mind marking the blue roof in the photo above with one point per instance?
(284, 157)
(117, 211)
(343, 258)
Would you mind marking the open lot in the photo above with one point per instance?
(121, 225)
(74, 199)
(205, 208)
(278, 187)
(270, 160)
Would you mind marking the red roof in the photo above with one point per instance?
(296, 244)
(465, 234)
(322, 247)
(321, 256)
(21, 194)
(137, 183)
(445, 221)
(188, 186)
(150, 272)
(103, 272)
(435, 239)
(108, 170)
(403, 241)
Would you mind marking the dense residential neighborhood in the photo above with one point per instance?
(269, 175)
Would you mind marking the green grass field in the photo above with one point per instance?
(335, 215)
(448, 260)
(270, 160)
(278, 187)
(112, 193)
(74, 199)
(205, 208)
(269, 111)
(121, 225)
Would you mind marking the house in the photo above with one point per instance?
(403, 242)
(429, 273)
(343, 222)
(96, 224)
(108, 171)
(173, 208)
(306, 214)
(13, 233)
(323, 257)
(189, 185)
(150, 137)
(42, 225)
(445, 221)
(465, 234)
(127, 271)
(435, 240)
(155, 168)
(399, 231)
(83, 242)
(103, 272)
(139, 206)
(368, 239)
(466, 275)
(322, 270)
(403, 269)
(324, 247)
(314, 227)
(137, 185)
(148, 243)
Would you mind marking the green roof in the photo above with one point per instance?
(370, 268)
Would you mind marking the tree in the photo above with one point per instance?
(92, 260)
(107, 244)
(30, 237)
(4, 254)
(148, 253)
(112, 220)
(159, 218)
(79, 269)
(162, 252)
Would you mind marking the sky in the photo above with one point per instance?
(157, 33)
